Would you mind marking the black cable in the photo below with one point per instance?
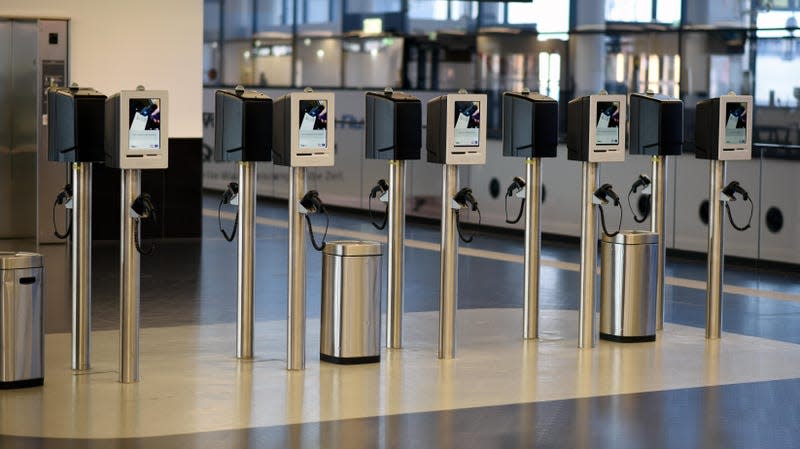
(730, 216)
(381, 226)
(55, 226)
(137, 242)
(603, 221)
(635, 217)
(458, 226)
(235, 222)
(311, 231)
(521, 210)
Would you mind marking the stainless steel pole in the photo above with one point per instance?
(81, 254)
(296, 319)
(129, 281)
(715, 250)
(657, 220)
(396, 265)
(586, 331)
(246, 260)
(533, 189)
(448, 282)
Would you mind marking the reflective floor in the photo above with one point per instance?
(682, 391)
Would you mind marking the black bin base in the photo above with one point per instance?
(27, 383)
(349, 360)
(630, 339)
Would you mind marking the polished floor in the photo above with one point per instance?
(500, 391)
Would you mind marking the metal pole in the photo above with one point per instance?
(586, 332)
(246, 261)
(715, 250)
(533, 189)
(448, 282)
(296, 320)
(129, 281)
(658, 200)
(397, 231)
(81, 253)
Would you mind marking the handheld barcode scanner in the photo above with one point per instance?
(456, 135)
(303, 136)
(724, 132)
(243, 134)
(75, 135)
(136, 139)
(530, 131)
(393, 132)
(595, 134)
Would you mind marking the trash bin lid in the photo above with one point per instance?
(632, 238)
(353, 248)
(18, 260)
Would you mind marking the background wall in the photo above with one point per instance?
(118, 45)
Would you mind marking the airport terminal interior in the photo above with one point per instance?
(399, 224)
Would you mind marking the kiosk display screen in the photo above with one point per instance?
(467, 124)
(607, 130)
(145, 124)
(313, 124)
(736, 123)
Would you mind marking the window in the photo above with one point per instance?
(549, 16)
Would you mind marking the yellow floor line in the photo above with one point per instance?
(506, 257)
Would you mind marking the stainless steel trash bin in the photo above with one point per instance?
(628, 276)
(351, 308)
(21, 320)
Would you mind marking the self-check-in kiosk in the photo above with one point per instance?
(76, 121)
(136, 139)
(724, 133)
(656, 129)
(530, 131)
(303, 136)
(394, 133)
(595, 134)
(243, 134)
(456, 135)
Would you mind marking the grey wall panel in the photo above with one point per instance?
(6, 217)
(561, 210)
(23, 129)
(779, 191)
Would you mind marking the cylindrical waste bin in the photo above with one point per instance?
(628, 281)
(21, 320)
(351, 308)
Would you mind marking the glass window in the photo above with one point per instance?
(549, 16)
(319, 11)
(427, 9)
(629, 11)
(460, 10)
(372, 6)
(492, 14)
(238, 17)
(273, 13)
(668, 11)
(211, 12)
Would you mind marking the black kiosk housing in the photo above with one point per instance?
(724, 128)
(243, 126)
(76, 124)
(530, 125)
(393, 126)
(656, 125)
